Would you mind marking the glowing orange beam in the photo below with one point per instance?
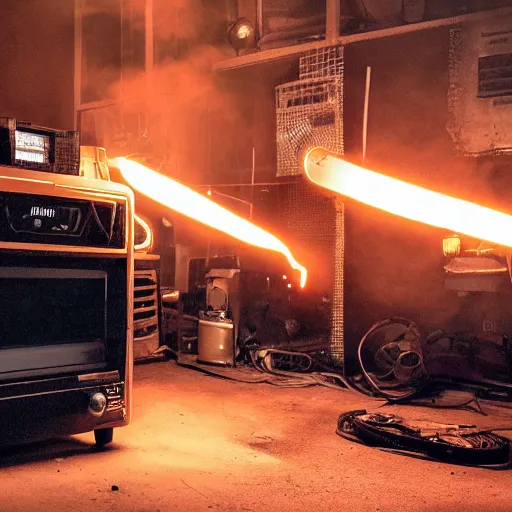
(330, 171)
(148, 242)
(186, 201)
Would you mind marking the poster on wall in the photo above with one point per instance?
(480, 90)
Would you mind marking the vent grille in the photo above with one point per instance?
(37, 219)
(495, 76)
(145, 308)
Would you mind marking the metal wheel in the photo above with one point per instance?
(103, 436)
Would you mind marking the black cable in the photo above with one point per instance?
(453, 443)
(265, 364)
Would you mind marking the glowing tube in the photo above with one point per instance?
(182, 199)
(410, 201)
(148, 241)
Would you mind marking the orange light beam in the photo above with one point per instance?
(330, 171)
(148, 242)
(186, 201)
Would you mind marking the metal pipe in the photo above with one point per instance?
(78, 63)
(263, 184)
(365, 113)
(252, 181)
(149, 37)
(230, 197)
(149, 56)
(259, 18)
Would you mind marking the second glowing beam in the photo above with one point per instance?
(186, 201)
(410, 201)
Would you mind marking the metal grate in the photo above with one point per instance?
(67, 153)
(318, 222)
(145, 313)
(322, 63)
(308, 214)
(309, 113)
(338, 289)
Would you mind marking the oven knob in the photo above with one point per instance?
(97, 404)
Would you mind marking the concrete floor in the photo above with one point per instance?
(201, 444)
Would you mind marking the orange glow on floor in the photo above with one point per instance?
(330, 171)
(186, 201)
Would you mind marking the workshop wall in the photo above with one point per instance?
(36, 56)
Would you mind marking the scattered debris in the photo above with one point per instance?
(465, 355)
(398, 367)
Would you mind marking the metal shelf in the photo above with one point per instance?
(290, 51)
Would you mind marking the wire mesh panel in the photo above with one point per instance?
(317, 221)
(67, 153)
(307, 213)
(322, 63)
(328, 63)
(309, 113)
(338, 288)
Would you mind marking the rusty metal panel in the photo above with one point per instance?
(480, 91)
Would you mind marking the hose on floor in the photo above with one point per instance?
(456, 444)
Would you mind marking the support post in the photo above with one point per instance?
(365, 112)
(148, 55)
(252, 181)
(332, 21)
(78, 63)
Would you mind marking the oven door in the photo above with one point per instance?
(55, 317)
